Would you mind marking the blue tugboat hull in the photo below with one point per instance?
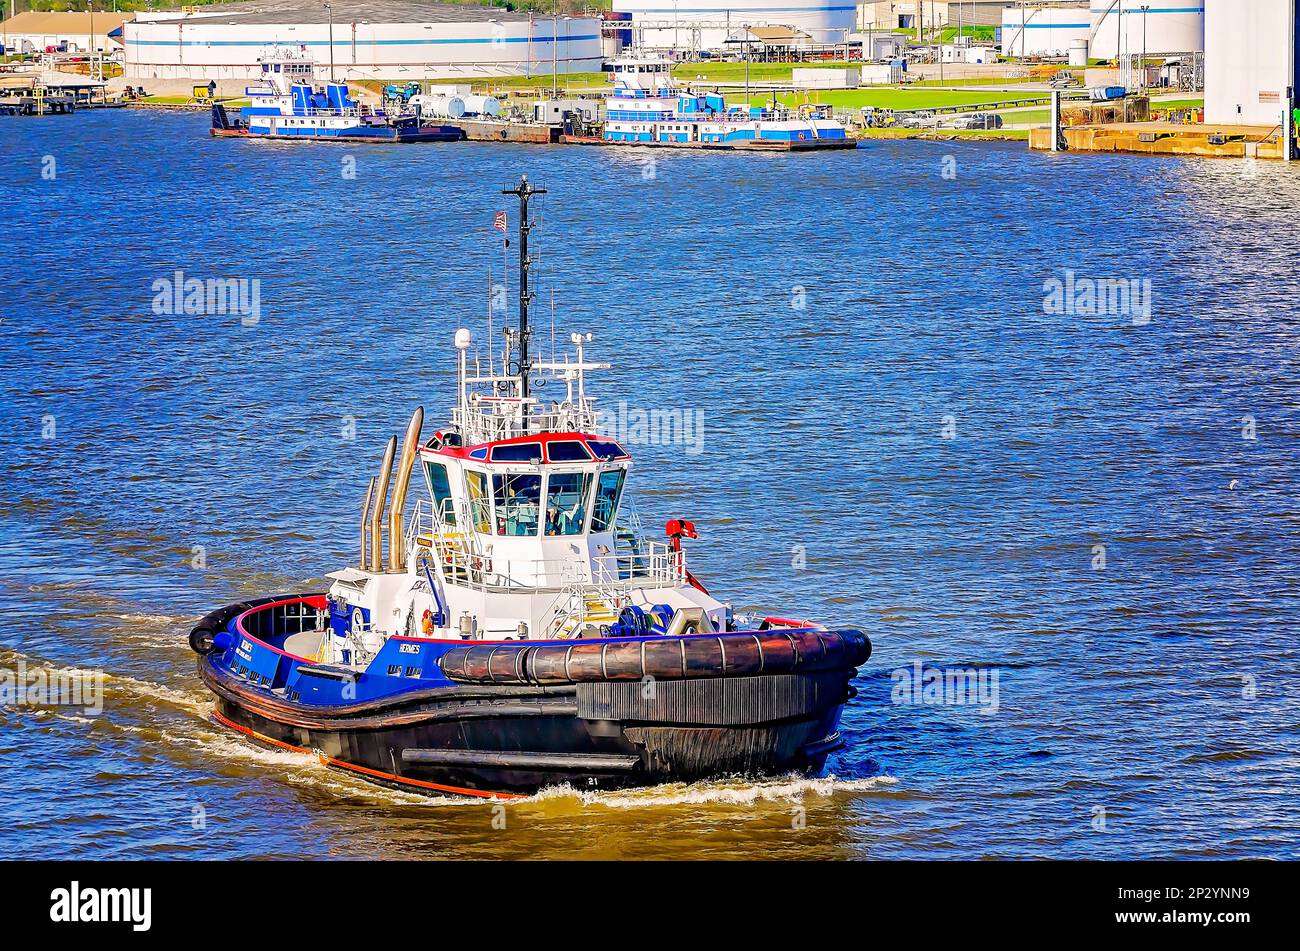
(509, 718)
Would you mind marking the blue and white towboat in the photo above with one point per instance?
(520, 631)
(647, 107)
(288, 104)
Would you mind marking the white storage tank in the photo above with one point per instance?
(1162, 29)
(1042, 30)
(481, 105)
(441, 107)
(1079, 53)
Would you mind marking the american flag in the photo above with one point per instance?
(499, 222)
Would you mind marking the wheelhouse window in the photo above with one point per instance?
(606, 449)
(520, 452)
(480, 506)
(518, 499)
(440, 487)
(566, 502)
(608, 489)
(567, 450)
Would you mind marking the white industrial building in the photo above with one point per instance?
(709, 24)
(414, 39)
(1250, 60)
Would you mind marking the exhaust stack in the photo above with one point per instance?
(396, 515)
(377, 514)
(365, 520)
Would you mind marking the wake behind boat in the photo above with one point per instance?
(288, 104)
(522, 631)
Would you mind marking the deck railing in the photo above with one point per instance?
(462, 560)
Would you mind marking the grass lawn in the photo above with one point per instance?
(1177, 103)
(1024, 116)
(982, 34)
(978, 81)
(998, 135)
(758, 72)
(891, 97)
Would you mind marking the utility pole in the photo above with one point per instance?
(555, 55)
(523, 193)
(330, 10)
(1145, 8)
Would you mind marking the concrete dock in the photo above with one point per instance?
(1164, 138)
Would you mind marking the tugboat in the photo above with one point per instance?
(520, 631)
(287, 104)
(647, 107)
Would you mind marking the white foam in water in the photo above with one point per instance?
(718, 792)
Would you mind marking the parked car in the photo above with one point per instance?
(978, 120)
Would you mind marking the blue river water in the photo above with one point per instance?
(1089, 510)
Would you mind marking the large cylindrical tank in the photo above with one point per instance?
(1161, 29)
(1043, 30)
(481, 105)
(442, 107)
(1079, 53)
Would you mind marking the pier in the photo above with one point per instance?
(42, 94)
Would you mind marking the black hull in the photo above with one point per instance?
(515, 740)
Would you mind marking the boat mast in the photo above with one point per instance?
(523, 193)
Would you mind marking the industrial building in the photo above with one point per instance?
(358, 39)
(34, 32)
(909, 14)
(711, 24)
(1251, 59)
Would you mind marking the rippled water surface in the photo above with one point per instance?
(1145, 708)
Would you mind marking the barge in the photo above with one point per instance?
(521, 630)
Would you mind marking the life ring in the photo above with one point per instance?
(426, 623)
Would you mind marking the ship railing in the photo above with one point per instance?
(348, 112)
(612, 582)
(464, 564)
(489, 422)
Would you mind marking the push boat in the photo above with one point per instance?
(647, 107)
(288, 104)
(521, 631)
